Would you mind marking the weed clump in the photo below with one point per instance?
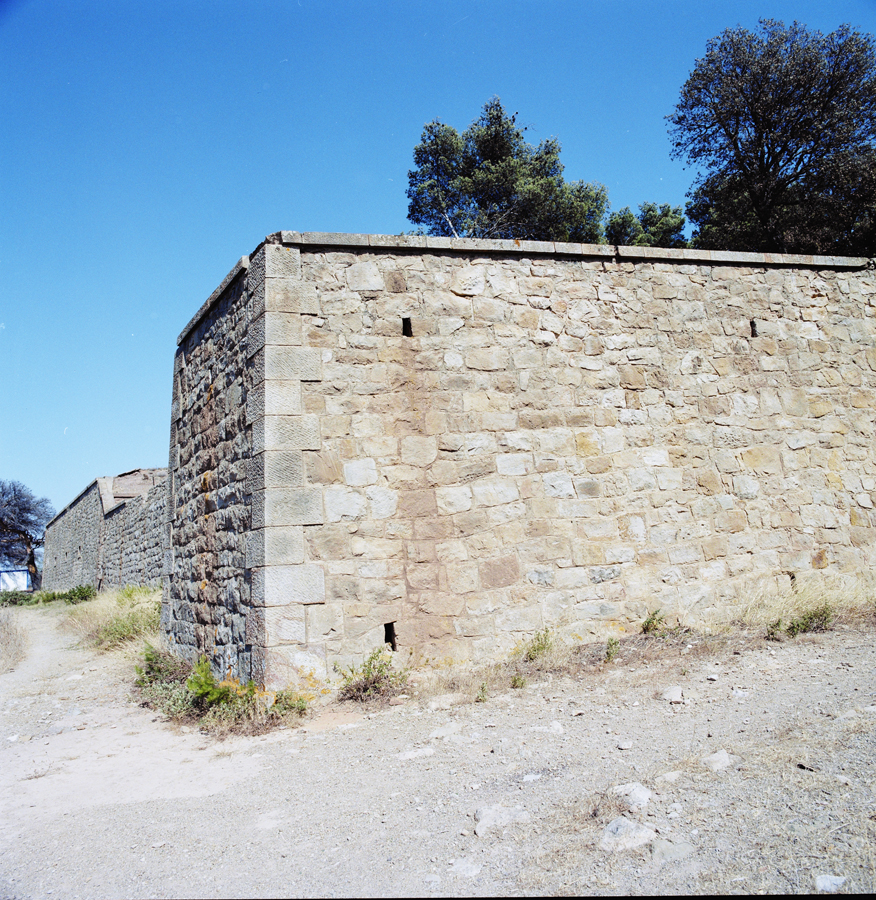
(79, 594)
(654, 623)
(374, 679)
(539, 646)
(192, 693)
(819, 618)
(113, 619)
(612, 649)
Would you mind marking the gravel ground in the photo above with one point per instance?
(101, 798)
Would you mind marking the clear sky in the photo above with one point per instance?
(146, 146)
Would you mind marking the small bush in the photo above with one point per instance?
(79, 594)
(16, 598)
(518, 681)
(816, 619)
(774, 630)
(481, 696)
(654, 624)
(612, 649)
(540, 645)
(375, 678)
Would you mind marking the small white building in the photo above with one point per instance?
(14, 580)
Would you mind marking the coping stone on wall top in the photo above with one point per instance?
(240, 266)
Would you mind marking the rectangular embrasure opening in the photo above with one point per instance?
(407, 331)
(389, 634)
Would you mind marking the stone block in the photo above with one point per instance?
(493, 359)
(286, 586)
(287, 363)
(275, 398)
(419, 450)
(282, 262)
(286, 295)
(468, 281)
(275, 468)
(344, 504)
(383, 502)
(499, 572)
(360, 472)
(415, 503)
(286, 433)
(279, 328)
(763, 458)
(453, 498)
(364, 276)
(287, 506)
(280, 546)
(495, 492)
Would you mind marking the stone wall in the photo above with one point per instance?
(456, 443)
(207, 604)
(133, 542)
(111, 535)
(72, 549)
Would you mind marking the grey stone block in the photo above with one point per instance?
(277, 398)
(286, 586)
(282, 262)
(278, 507)
(286, 433)
(282, 329)
(273, 362)
(397, 240)
(286, 295)
(275, 468)
(279, 546)
(333, 239)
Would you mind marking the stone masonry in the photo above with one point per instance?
(450, 444)
(111, 535)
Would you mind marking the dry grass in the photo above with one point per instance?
(852, 597)
(118, 618)
(13, 641)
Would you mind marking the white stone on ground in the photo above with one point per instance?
(717, 761)
(636, 795)
(488, 817)
(622, 834)
(829, 884)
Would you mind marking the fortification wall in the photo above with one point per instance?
(111, 535)
(456, 443)
(72, 547)
(133, 540)
(207, 584)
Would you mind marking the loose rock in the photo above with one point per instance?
(488, 817)
(622, 834)
(829, 884)
(717, 761)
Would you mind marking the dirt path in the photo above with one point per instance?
(98, 798)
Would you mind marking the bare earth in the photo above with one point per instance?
(101, 798)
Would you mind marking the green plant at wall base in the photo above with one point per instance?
(817, 619)
(540, 645)
(518, 682)
(774, 630)
(373, 679)
(612, 649)
(204, 687)
(654, 623)
(80, 594)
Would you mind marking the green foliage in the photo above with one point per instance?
(518, 681)
(489, 182)
(204, 687)
(655, 226)
(774, 630)
(781, 125)
(17, 598)
(817, 619)
(161, 666)
(375, 678)
(612, 649)
(79, 594)
(290, 702)
(540, 645)
(481, 696)
(654, 623)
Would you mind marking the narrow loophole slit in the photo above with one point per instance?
(389, 635)
(753, 325)
(407, 331)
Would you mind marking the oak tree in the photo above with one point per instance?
(781, 125)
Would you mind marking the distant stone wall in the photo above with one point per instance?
(113, 534)
(72, 550)
(133, 542)
(207, 608)
(454, 444)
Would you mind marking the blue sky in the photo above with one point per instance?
(145, 147)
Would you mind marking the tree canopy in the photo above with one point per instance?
(781, 125)
(23, 520)
(655, 226)
(488, 182)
